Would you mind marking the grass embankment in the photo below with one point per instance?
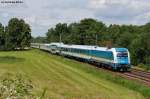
(68, 79)
(143, 67)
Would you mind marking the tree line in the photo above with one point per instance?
(16, 35)
(93, 32)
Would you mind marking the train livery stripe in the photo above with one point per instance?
(102, 60)
(87, 57)
(76, 55)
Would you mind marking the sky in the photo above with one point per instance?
(44, 14)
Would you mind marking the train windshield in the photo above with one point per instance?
(122, 54)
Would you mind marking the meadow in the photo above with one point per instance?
(68, 79)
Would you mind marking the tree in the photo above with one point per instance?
(26, 36)
(89, 29)
(54, 34)
(113, 33)
(140, 49)
(125, 39)
(94, 31)
(74, 33)
(39, 39)
(18, 34)
(2, 37)
(51, 35)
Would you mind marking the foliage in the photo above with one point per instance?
(77, 33)
(145, 66)
(54, 34)
(2, 36)
(16, 88)
(93, 32)
(17, 35)
(39, 39)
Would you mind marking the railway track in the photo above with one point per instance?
(134, 74)
(139, 75)
(141, 79)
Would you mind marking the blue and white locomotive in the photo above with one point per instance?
(115, 58)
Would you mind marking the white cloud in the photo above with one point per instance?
(121, 11)
(43, 14)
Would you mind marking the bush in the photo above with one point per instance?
(144, 66)
(16, 88)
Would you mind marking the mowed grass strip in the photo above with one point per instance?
(63, 78)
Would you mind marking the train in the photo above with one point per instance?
(117, 59)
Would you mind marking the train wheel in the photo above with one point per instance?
(118, 69)
(100, 65)
(125, 69)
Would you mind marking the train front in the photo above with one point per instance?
(123, 59)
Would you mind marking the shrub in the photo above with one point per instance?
(16, 88)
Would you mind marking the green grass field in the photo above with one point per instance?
(63, 78)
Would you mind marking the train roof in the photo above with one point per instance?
(57, 44)
(120, 49)
(88, 47)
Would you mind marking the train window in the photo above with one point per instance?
(67, 49)
(122, 54)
